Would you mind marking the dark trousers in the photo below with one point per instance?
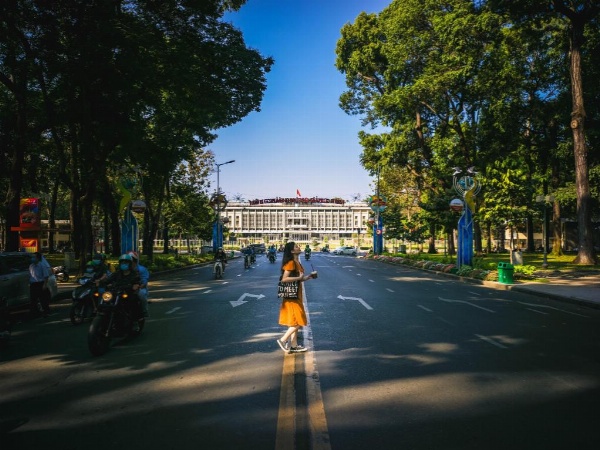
(37, 294)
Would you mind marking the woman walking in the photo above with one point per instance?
(291, 313)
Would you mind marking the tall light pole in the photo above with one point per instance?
(219, 203)
(544, 200)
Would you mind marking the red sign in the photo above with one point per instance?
(29, 213)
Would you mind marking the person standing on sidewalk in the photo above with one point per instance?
(38, 285)
(291, 312)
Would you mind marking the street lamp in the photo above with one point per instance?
(545, 199)
(219, 202)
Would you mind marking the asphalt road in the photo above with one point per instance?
(398, 359)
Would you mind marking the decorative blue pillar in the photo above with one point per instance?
(129, 232)
(467, 186)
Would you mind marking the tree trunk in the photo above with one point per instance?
(432, 248)
(585, 254)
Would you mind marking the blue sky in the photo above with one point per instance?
(301, 139)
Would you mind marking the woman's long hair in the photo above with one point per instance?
(287, 254)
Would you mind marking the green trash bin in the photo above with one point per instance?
(505, 273)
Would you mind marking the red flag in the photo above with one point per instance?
(298, 193)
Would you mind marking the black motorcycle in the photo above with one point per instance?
(117, 312)
(306, 256)
(271, 257)
(85, 300)
(61, 273)
(5, 325)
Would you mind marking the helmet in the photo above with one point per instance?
(99, 257)
(134, 255)
(126, 259)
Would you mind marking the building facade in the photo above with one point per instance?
(299, 219)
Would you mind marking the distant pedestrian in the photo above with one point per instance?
(291, 313)
(39, 292)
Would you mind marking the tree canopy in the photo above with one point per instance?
(92, 92)
(489, 85)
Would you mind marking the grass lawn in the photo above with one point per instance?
(563, 263)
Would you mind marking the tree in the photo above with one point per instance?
(577, 15)
(118, 85)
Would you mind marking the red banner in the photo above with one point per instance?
(29, 214)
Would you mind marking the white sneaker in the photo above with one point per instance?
(283, 345)
(297, 349)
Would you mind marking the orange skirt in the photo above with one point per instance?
(291, 313)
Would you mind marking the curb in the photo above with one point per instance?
(507, 287)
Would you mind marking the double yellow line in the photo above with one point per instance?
(301, 422)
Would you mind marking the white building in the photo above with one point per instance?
(299, 219)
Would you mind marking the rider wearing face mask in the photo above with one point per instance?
(126, 277)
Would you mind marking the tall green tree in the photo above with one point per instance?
(118, 85)
(578, 16)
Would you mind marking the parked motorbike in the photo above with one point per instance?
(4, 324)
(85, 300)
(272, 257)
(117, 312)
(218, 269)
(61, 273)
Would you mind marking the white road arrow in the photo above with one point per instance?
(241, 301)
(365, 304)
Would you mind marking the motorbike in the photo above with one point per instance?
(247, 261)
(306, 256)
(218, 269)
(4, 324)
(117, 312)
(61, 273)
(325, 250)
(85, 300)
(271, 257)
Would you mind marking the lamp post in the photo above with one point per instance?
(544, 200)
(219, 202)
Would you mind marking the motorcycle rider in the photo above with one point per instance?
(249, 251)
(144, 279)
(101, 270)
(126, 277)
(220, 254)
(307, 251)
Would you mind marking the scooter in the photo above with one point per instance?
(61, 273)
(85, 300)
(218, 269)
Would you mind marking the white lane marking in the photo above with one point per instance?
(551, 307)
(389, 290)
(426, 309)
(474, 293)
(490, 341)
(207, 292)
(173, 310)
(467, 303)
(539, 312)
(372, 281)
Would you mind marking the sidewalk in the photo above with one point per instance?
(584, 290)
